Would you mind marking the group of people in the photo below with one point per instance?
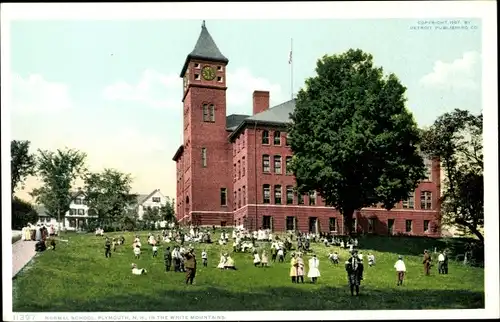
(37, 232)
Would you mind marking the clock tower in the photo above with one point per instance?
(205, 193)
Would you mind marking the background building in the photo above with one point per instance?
(233, 170)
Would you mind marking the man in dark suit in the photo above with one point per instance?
(168, 259)
(354, 268)
(190, 265)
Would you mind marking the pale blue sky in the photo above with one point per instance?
(75, 100)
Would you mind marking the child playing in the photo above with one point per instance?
(204, 258)
(107, 247)
(281, 255)
(256, 259)
(137, 251)
(400, 270)
(264, 259)
(138, 271)
(155, 250)
(371, 259)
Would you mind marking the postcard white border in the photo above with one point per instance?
(485, 10)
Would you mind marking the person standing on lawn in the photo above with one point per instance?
(190, 265)
(400, 270)
(167, 257)
(354, 268)
(313, 273)
(107, 247)
(427, 263)
(300, 268)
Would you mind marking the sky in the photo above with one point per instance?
(112, 88)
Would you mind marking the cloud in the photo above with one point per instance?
(241, 84)
(158, 90)
(462, 73)
(153, 89)
(37, 95)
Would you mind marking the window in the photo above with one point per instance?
(205, 113)
(234, 200)
(84, 202)
(410, 202)
(267, 193)
(428, 169)
(332, 224)
(277, 194)
(81, 212)
(266, 167)
(219, 79)
(290, 223)
(426, 225)
(243, 170)
(312, 198)
(72, 223)
(277, 138)
(239, 198)
(244, 195)
(266, 222)
(277, 164)
(204, 157)
(265, 137)
(156, 199)
(239, 169)
(288, 165)
(235, 173)
(371, 225)
(223, 196)
(196, 65)
(78, 201)
(300, 199)
(211, 113)
(289, 195)
(425, 200)
(219, 68)
(408, 226)
(196, 76)
(287, 140)
(390, 226)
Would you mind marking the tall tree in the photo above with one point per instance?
(58, 171)
(23, 213)
(456, 138)
(353, 139)
(151, 216)
(108, 195)
(167, 211)
(22, 163)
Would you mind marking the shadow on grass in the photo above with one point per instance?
(300, 297)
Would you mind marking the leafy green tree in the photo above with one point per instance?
(108, 195)
(23, 213)
(167, 211)
(22, 163)
(353, 139)
(456, 139)
(58, 171)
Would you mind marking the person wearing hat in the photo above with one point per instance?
(293, 268)
(427, 263)
(167, 257)
(313, 273)
(400, 270)
(300, 268)
(190, 265)
(354, 268)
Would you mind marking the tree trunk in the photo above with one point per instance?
(472, 228)
(347, 215)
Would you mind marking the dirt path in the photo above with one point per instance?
(22, 253)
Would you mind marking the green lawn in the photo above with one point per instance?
(78, 278)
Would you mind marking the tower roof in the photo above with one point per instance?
(205, 49)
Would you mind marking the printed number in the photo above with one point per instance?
(24, 317)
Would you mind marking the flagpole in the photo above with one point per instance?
(291, 68)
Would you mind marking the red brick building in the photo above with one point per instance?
(232, 170)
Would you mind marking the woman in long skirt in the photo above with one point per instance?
(300, 268)
(256, 259)
(293, 268)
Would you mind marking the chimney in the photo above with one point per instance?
(260, 101)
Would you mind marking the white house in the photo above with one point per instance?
(77, 216)
(155, 199)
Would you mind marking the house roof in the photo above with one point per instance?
(178, 152)
(278, 115)
(233, 120)
(142, 197)
(205, 49)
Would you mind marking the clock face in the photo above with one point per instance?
(208, 73)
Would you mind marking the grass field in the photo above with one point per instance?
(78, 278)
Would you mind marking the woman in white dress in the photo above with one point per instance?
(313, 273)
(138, 271)
(222, 261)
(256, 259)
